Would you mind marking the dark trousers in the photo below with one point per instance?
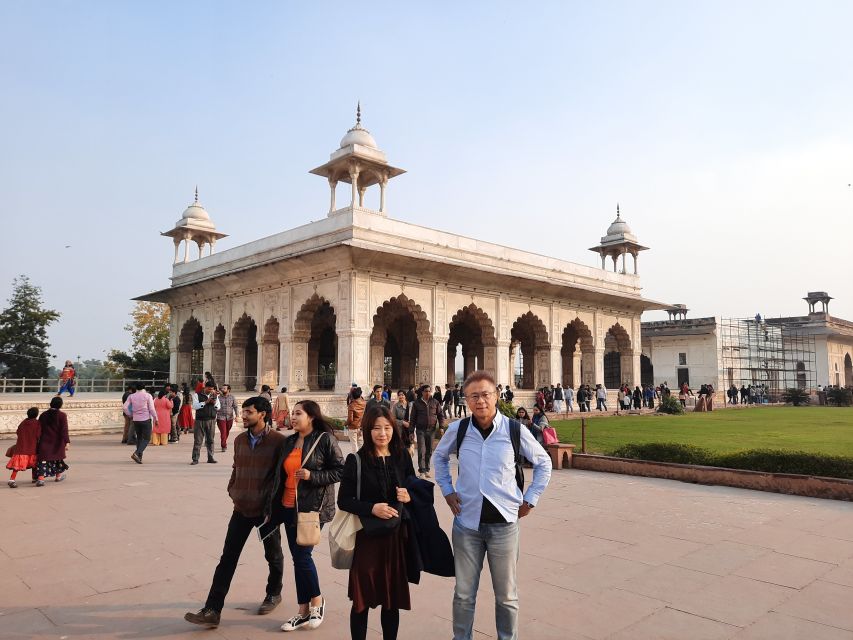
(425, 437)
(173, 433)
(304, 569)
(203, 432)
(239, 529)
(142, 433)
(224, 430)
(461, 410)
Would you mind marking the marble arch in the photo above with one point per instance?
(473, 331)
(244, 354)
(618, 357)
(399, 342)
(217, 361)
(577, 353)
(530, 341)
(315, 327)
(191, 349)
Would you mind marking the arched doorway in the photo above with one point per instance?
(400, 331)
(244, 354)
(472, 333)
(848, 371)
(617, 357)
(190, 351)
(647, 370)
(577, 352)
(316, 327)
(269, 353)
(217, 365)
(528, 350)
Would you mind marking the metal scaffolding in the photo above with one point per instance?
(772, 355)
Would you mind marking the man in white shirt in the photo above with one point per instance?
(487, 503)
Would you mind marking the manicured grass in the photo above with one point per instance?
(827, 430)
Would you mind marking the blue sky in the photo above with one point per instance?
(722, 128)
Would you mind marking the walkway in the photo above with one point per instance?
(122, 551)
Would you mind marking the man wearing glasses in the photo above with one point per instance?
(487, 503)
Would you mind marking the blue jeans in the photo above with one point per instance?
(68, 386)
(304, 569)
(142, 430)
(500, 541)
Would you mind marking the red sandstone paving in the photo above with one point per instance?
(122, 551)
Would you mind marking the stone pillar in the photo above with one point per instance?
(376, 373)
(177, 247)
(451, 364)
(439, 361)
(186, 250)
(469, 363)
(597, 366)
(556, 366)
(353, 175)
(361, 191)
(333, 184)
(626, 367)
(426, 371)
(353, 360)
(382, 184)
(542, 362)
(173, 365)
(268, 357)
(503, 374)
(576, 369)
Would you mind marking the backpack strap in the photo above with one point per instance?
(460, 434)
(358, 476)
(515, 438)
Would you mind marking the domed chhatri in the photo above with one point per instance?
(359, 162)
(619, 241)
(196, 226)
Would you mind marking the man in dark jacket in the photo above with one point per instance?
(256, 454)
(425, 416)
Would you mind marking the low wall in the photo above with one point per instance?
(809, 486)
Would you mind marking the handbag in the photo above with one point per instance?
(342, 531)
(549, 435)
(371, 525)
(10, 451)
(307, 523)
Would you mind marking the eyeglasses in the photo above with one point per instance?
(485, 396)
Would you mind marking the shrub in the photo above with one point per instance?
(335, 423)
(840, 396)
(663, 452)
(507, 408)
(766, 460)
(795, 396)
(670, 405)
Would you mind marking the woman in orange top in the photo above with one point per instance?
(305, 479)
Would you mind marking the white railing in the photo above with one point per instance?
(92, 385)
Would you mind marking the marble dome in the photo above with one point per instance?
(358, 135)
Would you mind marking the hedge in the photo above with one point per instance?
(766, 460)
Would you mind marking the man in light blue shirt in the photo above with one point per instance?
(487, 504)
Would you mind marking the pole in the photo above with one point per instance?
(583, 435)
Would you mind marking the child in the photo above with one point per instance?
(24, 452)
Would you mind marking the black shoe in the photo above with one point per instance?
(194, 462)
(211, 461)
(135, 457)
(206, 617)
(269, 603)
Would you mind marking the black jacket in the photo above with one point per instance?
(373, 475)
(326, 465)
(434, 547)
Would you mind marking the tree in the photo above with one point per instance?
(150, 349)
(23, 332)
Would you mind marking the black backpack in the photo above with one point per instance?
(515, 438)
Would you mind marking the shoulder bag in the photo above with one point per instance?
(342, 532)
(308, 523)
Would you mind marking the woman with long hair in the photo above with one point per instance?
(309, 466)
(52, 444)
(522, 416)
(186, 418)
(379, 575)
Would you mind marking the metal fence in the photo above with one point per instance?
(93, 385)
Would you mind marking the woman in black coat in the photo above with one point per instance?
(52, 444)
(379, 573)
(305, 478)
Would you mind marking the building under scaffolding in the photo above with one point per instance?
(770, 354)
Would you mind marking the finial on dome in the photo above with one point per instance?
(196, 194)
(617, 210)
(358, 114)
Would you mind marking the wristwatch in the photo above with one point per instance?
(530, 506)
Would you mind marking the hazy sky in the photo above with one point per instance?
(722, 128)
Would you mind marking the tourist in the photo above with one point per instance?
(386, 393)
(501, 395)
(24, 451)
(199, 385)
(537, 424)
(487, 503)
(582, 399)
(225, 415)
(508, 395)
(459, 402)
(127, 432)
(540, 399)
(447, 401)
(281, 410)
(683, 392)
(600, 397)
(638, 398)
(256, 454)
(709, 397)
(140, 407)
(163, 409)
(377, 398)
(352, 388)
(355, 411)
(186, 418)
(411, 394)
(438, 395)
(569, 395)
(208, 379)
(650, 397)
(400, 411)
(589, 397)
(52, 444)
(743, 394)
(558, 399)
(523, 417)
(67, 379)
(206, 404)
(305, 482)
(266, 392)
(379, 573)
(620, 399)
(425, 416)
(175, 397)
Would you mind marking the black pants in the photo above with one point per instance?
(142, 431)
(239, 529)
(203, 432)
(390, 624)
(425, 437)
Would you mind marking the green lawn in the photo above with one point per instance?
(827, 430)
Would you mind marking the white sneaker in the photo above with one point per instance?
(296, 622)
(315, 615)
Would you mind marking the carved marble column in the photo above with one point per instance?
(556, 362)
(439, 361)
(173, 365)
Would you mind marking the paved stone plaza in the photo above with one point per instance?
(122, 551)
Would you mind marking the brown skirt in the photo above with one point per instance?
(378, 577)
